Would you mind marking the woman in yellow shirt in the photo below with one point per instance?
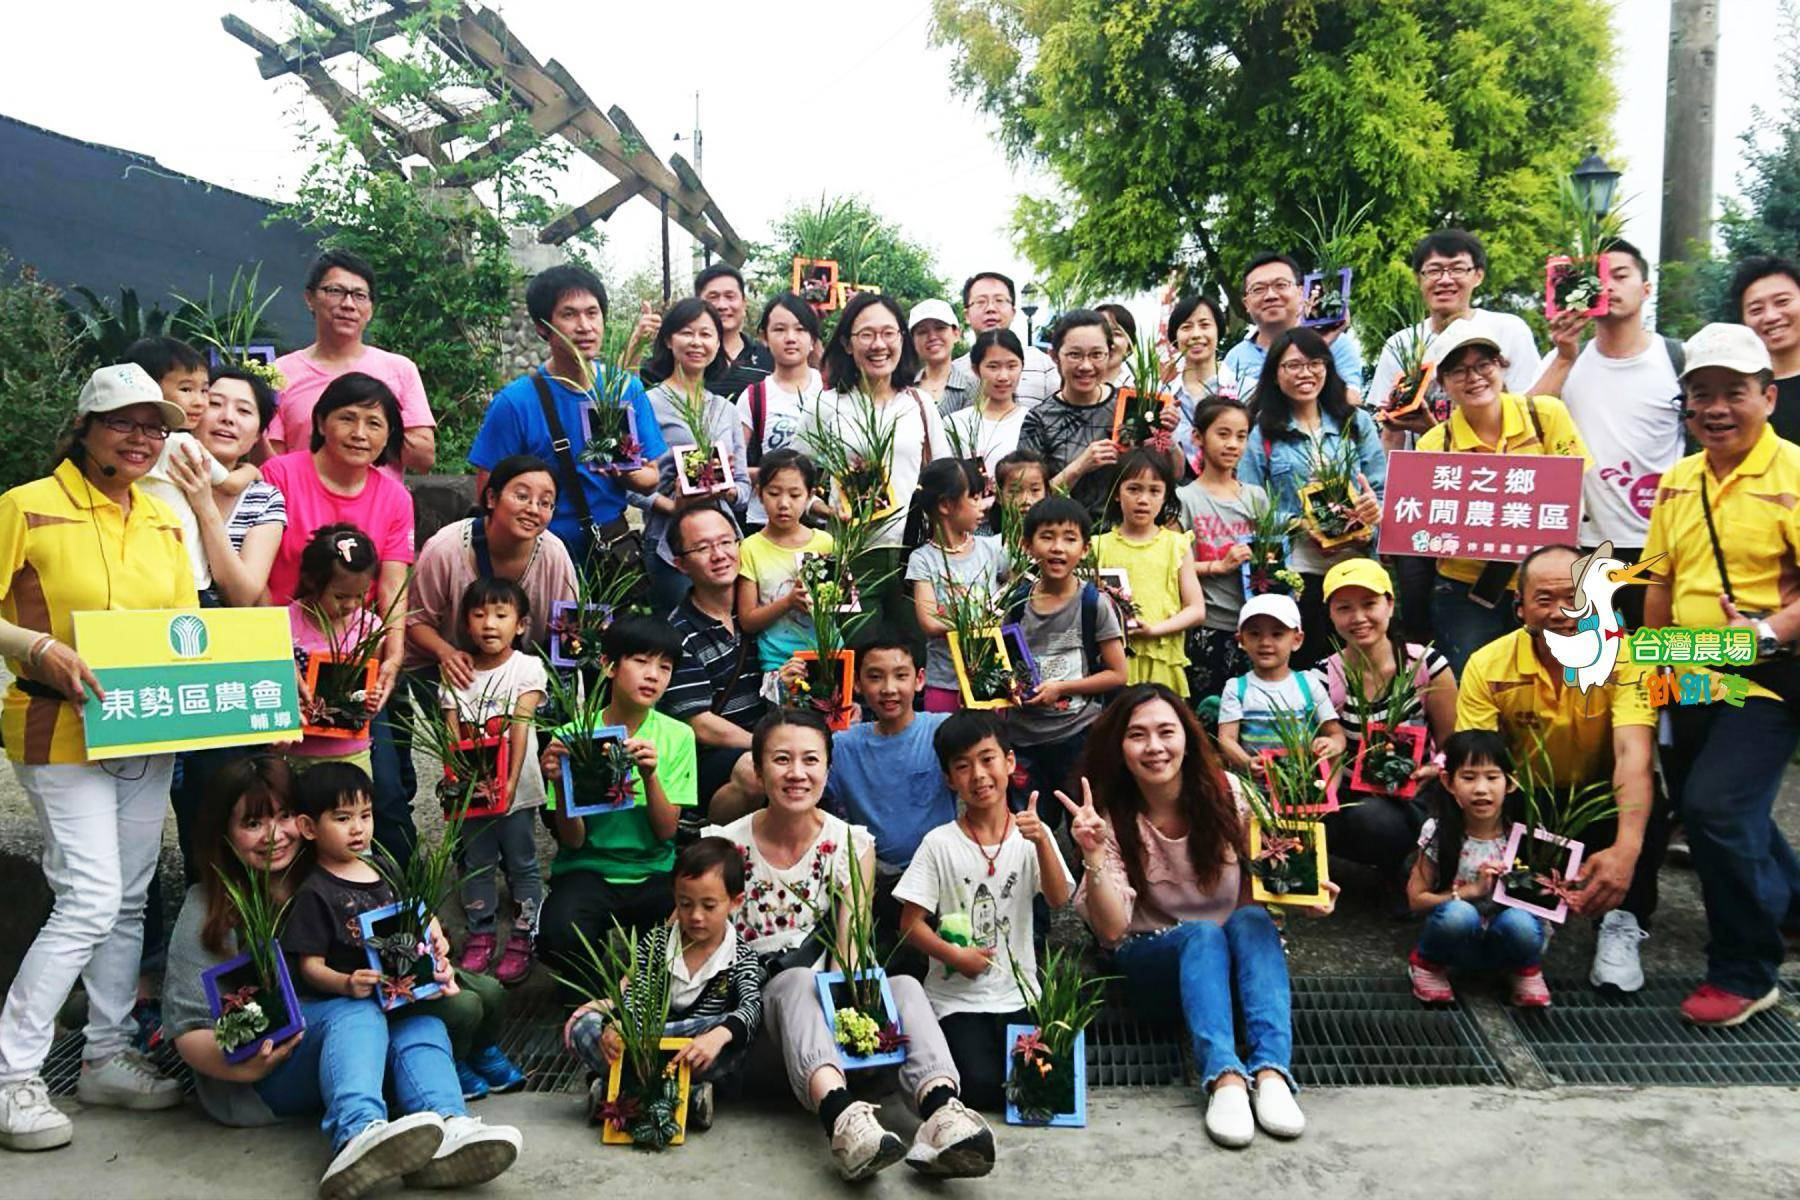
(85, 538)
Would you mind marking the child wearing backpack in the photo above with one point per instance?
(1253, 703)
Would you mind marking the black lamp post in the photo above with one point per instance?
(1595, 183)
(1029, 294)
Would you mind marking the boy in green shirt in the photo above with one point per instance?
(616, 866)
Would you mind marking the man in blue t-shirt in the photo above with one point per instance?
(568, 307)
(1272, 298)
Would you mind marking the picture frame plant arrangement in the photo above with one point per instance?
(1576, 275)
(604, 588)
(251, 996)
(397, 936)
(646, 1090)
(598, 775)
(610, 439)
(1325, 298)
(702, 463)
(1391, 748)
(1295, 778)
(855, 996)
(1411, 350)
(1328, 498)
(815, 280)
(1138, 410)
(476, 760)
(1288, 863)
(1270, 542)
(335, 682)
(1026, 675)
(984, 669)
(1331, 241)
(1115, 584)
(1046, 1059)
(1542, 869)
(828, 686)
(853, 452)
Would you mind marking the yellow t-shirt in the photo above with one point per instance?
(774, 569)
(1154, 568)
(65, 548)
(1756, 512)
(1519, 434)
(1507, 688)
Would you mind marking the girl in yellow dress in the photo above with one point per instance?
(1159, 562)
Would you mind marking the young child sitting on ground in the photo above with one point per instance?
(984, 868)
(1462, 852)
(715, 986)
(1253, 705)
(335, 813)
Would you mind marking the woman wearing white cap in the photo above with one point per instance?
(85, 538)
(933, 328)
(1471, 601)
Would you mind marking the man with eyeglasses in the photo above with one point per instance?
(340, 292)
(1272, 298)
(1450, 265)
(989, 300)
(717, 689)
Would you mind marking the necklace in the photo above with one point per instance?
(990, 859)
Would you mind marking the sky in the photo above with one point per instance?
(796, 98)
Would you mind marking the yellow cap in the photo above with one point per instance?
(1359, 572)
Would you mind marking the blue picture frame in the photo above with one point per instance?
(565, 801)
(557, 657)
(365, 924)
(824, 981)
(1069, 1120)
(1287, 550)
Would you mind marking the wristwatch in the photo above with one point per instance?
(1767, 644)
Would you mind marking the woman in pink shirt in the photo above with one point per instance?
(1161, 833)
(340, 292)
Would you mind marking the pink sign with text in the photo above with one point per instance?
(1498, 507)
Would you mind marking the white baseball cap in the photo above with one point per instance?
(932, 310)
(1464, 331)
(121, 386)
(1271, 604)
(1734, 347)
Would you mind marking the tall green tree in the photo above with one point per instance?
(868, 248)
(1186, 135)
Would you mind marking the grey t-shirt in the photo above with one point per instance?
(184, 1010)
(1055, 642)
(1217, 526)
(979, 567)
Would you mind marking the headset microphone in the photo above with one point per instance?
(1688, 414)
(109, 472)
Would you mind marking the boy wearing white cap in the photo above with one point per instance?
(1269, 631)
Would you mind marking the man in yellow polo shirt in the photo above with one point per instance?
(1469, 602)
(1728, 520)
(1514, 686)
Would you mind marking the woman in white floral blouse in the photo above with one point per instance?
(791, 851)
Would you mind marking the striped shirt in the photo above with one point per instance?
(734, 995)
(710, 653)
(259, 504)
(1427, 668)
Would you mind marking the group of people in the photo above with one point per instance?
(1117, 782)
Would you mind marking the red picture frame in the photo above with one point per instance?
(500, 799)
(837, 716)
(1326, 774)
(1552, 268)
(1419, 735)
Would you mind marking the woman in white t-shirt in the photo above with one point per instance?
(772, 409)
(793, 852)
(989, 429)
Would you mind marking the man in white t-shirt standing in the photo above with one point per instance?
(989, 302)
(1450, 264)
(1624, 390)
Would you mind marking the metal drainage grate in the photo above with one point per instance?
(1126, 1050)
(62, 1069)
(1351, 1031)
(1588, 1037)
(532, 1037)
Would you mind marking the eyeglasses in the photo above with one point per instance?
(719, 543)
(1484, 366)
(986, 303)
(868, 337)
(1279, 287)
(1076, 356)
(337, 295)
(156, 431)
(1303, 366)
(1453, 271)
(525, 499)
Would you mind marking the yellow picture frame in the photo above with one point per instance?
(962, 675)
(614, 1078)
(1359, 534)
(1318, 899)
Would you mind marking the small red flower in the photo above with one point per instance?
(889, 1039)
(619, 1113)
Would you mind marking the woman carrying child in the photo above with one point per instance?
(1162, 835)
(349, 1048)
(795, 855)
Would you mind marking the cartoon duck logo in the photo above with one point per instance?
(1588, 655)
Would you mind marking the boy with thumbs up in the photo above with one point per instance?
(985, 867)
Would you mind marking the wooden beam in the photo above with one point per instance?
(600, 208)
(283, 58)
(685, 172)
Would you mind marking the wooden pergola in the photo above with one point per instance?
(545, 93)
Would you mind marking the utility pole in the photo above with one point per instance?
(699, 144)
(1687, 192)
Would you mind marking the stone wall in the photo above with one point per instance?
(520, 346)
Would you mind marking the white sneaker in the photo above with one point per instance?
(860, 1145)
(127, 1080)
(28, 1121)
(954, 1143)
(1228, 1118)
(1276, 1110)
(381, 1152)
(1616, 962)
(471, 1153)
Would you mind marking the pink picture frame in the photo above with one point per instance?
(1571, 870)
(1551, 267)
(721, 456)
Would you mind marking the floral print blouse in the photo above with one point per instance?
(777, 915)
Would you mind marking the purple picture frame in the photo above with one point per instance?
(1576, 849)
(284, 982)
(1343, 290)
(1013, 637)
(631, 426)
(566, 784)
(557, 657)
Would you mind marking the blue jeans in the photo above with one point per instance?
(1200, 962)
(349, 1048)
(1460, 627)
(1455, 936)
(1725, 770)
(390, 764)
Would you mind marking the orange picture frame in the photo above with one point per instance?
(315, 659)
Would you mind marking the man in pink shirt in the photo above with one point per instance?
(340, 292)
